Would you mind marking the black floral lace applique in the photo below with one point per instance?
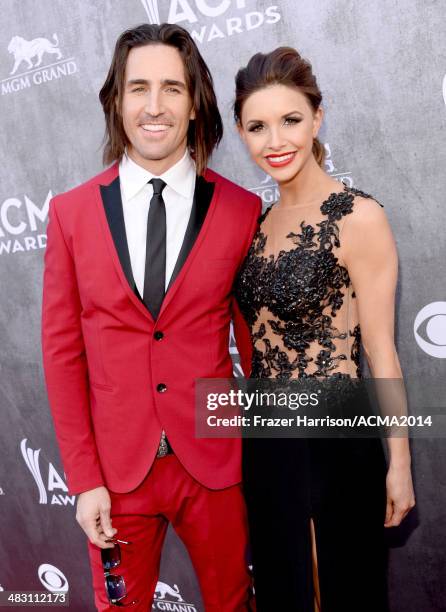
(337, 205)
(358, 192)
(306, 239)
(297, 287)
(356, 348)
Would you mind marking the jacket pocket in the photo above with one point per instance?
(101, 386)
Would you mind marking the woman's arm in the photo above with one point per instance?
(369, 253)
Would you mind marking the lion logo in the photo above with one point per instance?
(25, 50)
(162, 589)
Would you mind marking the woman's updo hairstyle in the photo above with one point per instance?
(283, 66)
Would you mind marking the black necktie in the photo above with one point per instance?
(155, 271)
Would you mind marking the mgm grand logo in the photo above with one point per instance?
(36, 61)
(169, 599)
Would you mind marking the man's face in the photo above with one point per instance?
(156, 107)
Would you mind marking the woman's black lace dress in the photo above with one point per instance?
(298, 300)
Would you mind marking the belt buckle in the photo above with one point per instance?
(163, 448)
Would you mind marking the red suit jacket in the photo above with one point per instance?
(103, 360)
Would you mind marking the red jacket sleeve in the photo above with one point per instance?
(65, 363)
(242, 332)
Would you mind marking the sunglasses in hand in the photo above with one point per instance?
(114, 584)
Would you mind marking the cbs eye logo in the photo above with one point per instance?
(52, 578)
(430, 329)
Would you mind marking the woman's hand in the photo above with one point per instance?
(400, 494)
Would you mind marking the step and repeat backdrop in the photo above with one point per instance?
(382, 70)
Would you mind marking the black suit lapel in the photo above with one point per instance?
(111, 198)
(204, 191)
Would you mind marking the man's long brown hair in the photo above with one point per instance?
(205, 131)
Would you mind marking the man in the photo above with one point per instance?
(137, 304)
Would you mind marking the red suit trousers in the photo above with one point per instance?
(211, 523)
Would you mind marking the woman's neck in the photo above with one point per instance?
(310, 186)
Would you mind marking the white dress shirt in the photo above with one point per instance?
(136, 193)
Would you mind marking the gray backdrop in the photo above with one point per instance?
(381, 66)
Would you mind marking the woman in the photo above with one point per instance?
(320, 275)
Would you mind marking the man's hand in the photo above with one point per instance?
(93, 515)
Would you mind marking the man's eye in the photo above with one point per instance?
(137, 89)
(172, 90)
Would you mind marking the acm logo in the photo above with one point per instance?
(210, 20)
(53, 481)
(21, 224)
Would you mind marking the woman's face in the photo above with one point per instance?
(278, 125)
